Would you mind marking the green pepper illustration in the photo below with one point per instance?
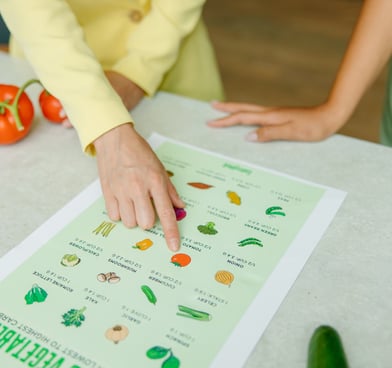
(74, 317)
(159, 352)
(35, 294)
(208, 228)
(149, 294)
(274, 210)
(250, 241)
(193, 313)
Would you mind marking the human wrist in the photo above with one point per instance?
(112, 138)
(336, 114)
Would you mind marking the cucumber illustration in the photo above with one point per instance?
(149, 294)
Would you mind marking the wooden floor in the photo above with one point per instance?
(286, 52)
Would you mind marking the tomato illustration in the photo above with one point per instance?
(51, 107)
(16, 114)
(181, 259)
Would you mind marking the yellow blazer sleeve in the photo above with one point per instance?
(52, 41)
(154, 45)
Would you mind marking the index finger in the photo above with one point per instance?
(167, 217)
(233, 107)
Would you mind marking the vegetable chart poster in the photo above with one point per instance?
(83, 291)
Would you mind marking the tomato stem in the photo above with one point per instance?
(13, 108)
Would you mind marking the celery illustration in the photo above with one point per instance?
(35, 294)
(159, 352)
(74, 317)
(193, 313)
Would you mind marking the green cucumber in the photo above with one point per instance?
(326, 349)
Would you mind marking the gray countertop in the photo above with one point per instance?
(346, 282)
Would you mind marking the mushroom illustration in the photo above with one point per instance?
(117, 333)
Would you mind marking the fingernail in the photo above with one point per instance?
(251, 137)
(173, 244)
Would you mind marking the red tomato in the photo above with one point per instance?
(51, 107)
(181, 259)
(9, 132)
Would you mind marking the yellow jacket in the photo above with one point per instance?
(158, 44)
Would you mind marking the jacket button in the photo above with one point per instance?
(135, 15)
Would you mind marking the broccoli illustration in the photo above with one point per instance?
(208, 228)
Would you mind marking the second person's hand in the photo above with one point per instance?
(135, 184)
(280, 123)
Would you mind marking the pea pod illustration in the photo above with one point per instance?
(250, 241)
(274, 210)
(149, 294)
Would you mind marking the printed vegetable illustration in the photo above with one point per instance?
(117, 333)
(274, 211)
(159, 352)
(149, 294)
(249, 241)
(180, 213)
(104, 228)
(208, 228)
(326, 349)
(200, 185)
(143, 244)
(51, 107)
(181, 259)
(35, 294)
(171, 362)
(70, 260)
(110, 277)
(224, 277)
(193, 313)
(74, 317)
(16, 113)
(234, 197)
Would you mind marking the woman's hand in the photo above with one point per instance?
(135, 184)
(280, 123)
